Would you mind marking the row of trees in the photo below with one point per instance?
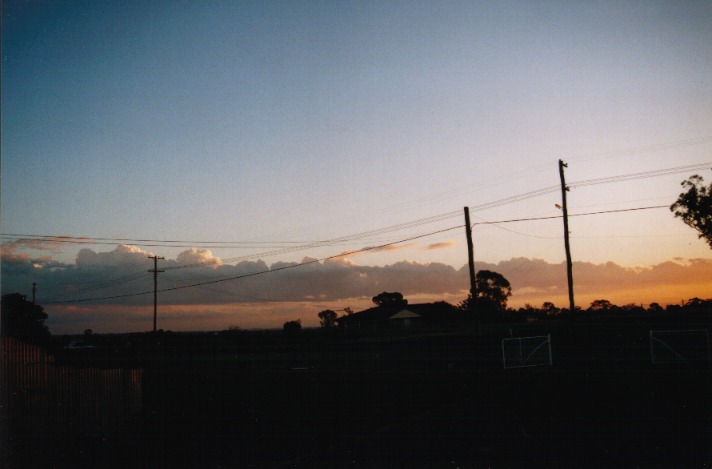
(605, 307)
(492, 292)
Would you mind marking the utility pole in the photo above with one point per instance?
(569, 272)
(34, 294)
(155, 272)
(470, 254)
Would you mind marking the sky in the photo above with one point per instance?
(240, 139)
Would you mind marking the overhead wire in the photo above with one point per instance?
(313, 261)
(300, 245)
(149, 242)
(253, 274)
(101, 285)
(334, 241)
(380, 231)
(641, 175)
(600, 212)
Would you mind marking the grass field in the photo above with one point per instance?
(428, 401)
(266, 399)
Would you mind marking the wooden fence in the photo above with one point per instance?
(52, 411)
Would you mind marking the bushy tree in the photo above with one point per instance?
(600, 305)
(550, 309)
(492, 293)
(493, 289)
(293, 327)
(389, 299)
(327, 318)
(695, 207)
(23, 320)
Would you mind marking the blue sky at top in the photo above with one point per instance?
(284, 121)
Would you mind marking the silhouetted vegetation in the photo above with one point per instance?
(292, 327)
(387, 299)
(695, 207)
(23, 320)
(492, 290)
(603, 308)
(327, 318)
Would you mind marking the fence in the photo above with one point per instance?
(680, 346)
(519, 352)
(50, 408)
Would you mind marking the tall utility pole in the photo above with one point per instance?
(34, 294)
(569, 272)
(470, 254)
(155, 272)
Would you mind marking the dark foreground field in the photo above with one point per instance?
(438, 400)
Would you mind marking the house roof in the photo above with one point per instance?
(384, 313)
(405, 314)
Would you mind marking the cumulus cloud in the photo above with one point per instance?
(122, 255)
(198, 256)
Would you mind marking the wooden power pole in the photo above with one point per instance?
(155, 272)
(34, 294)
(569, 271)
(470, 254)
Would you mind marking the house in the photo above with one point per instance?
(424, 316)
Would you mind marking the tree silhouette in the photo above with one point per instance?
(389, 299)
(492, 293)
(327, 318)
(293, 327)
(695, 207)
(600, 305)
(493, 289)
(23, 320)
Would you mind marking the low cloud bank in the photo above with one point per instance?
(198, 291)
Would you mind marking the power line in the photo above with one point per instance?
(359, 236)
(527, 171)
(301, 245)
(149, 242)
(372, 248)
(642, 175)
(515, 220)
(298, 246)
(112, 282)
(254, 274)
(556, 217)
